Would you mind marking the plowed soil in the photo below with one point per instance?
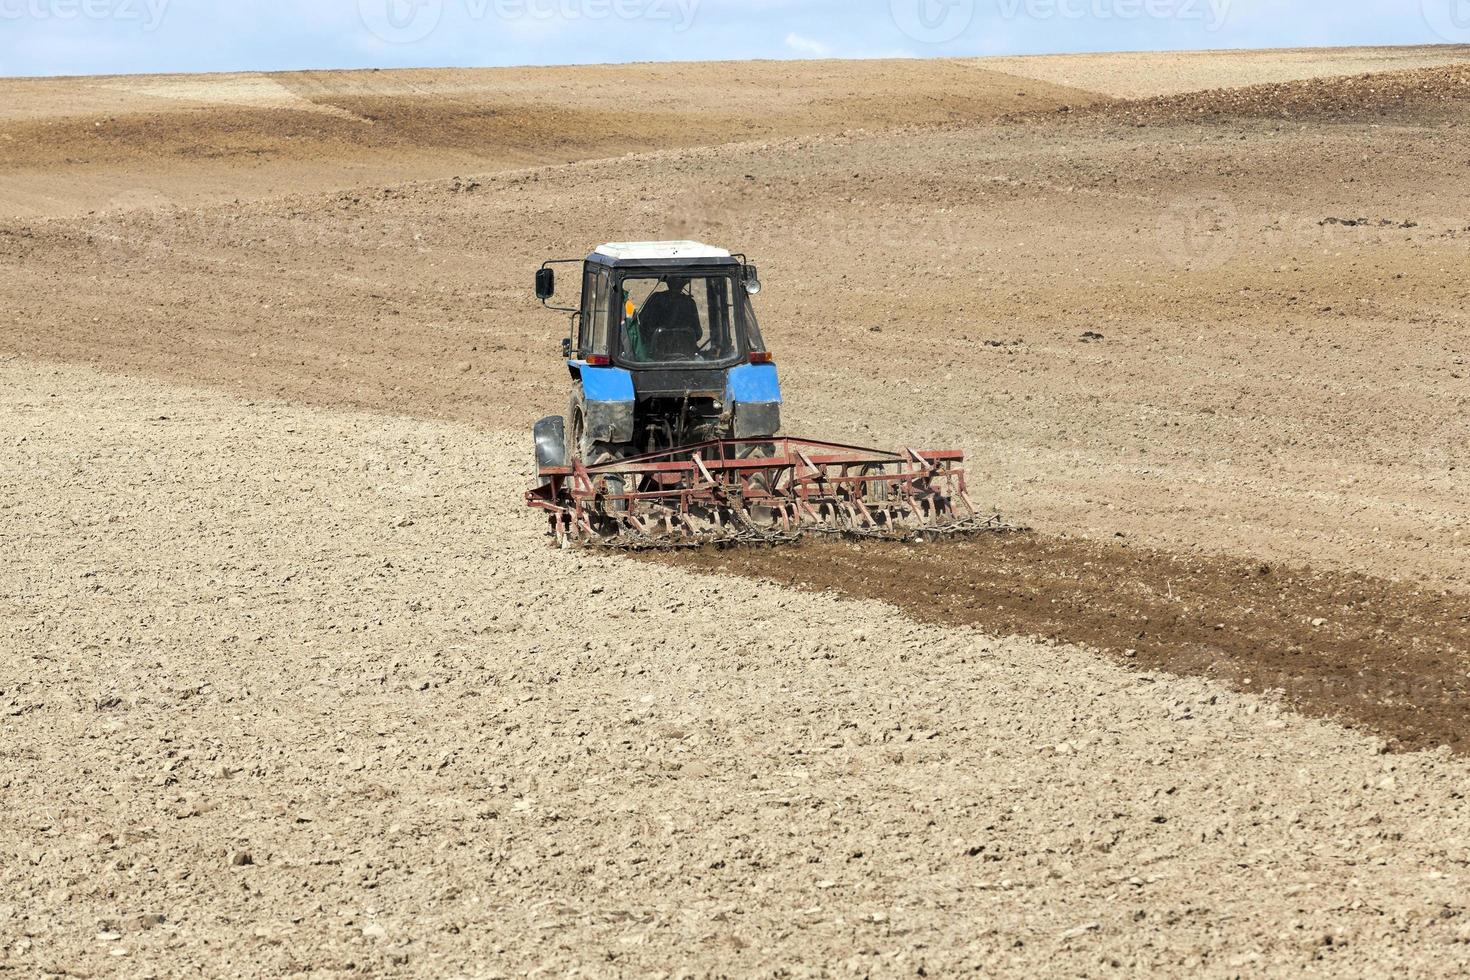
(1146, 74)
(1422, 92)
(292, 683)
(292, 690)
(1391, 659)
(70, 146)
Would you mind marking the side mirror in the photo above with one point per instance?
(752, 280)
(566, 348)
(545, 284)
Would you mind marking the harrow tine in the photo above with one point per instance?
(703, 470)
(919, 458)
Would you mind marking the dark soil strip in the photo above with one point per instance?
(1388, 658)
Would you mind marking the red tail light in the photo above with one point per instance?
(599, 360)
(760, 357)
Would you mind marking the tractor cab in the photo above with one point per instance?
(665, 351)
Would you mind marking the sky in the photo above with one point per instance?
(76, 37)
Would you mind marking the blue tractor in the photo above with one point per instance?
(673, 435)
(665, 352)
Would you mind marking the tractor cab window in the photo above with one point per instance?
(596, 285)
(674, 319)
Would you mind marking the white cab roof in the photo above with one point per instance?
(661, 250)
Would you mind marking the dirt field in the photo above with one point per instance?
(292, 683)
(1143, 74)
(227, 137)
(1391, 659)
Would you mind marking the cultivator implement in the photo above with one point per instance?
(759, 492)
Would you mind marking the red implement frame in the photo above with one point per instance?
(768, 491)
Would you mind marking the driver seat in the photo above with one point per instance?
(676, 342)
(673, 319)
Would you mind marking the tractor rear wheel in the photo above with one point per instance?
(588, 450)
(592, 453)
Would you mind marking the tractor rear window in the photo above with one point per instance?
(674, 319)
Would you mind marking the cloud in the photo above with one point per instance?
(806, 46)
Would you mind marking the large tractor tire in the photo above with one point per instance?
(592, 453)
(585, 448)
